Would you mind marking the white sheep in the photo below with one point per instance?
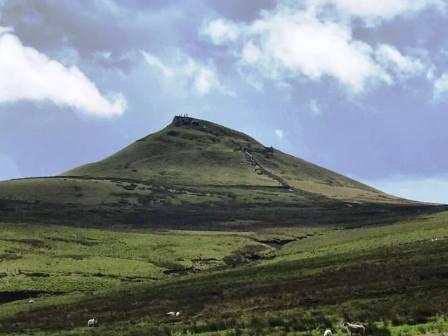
(93, 322)
(328, 332)
(173, 314)
(354, 328)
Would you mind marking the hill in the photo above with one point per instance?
(196, 173)
(223, 157)
(278, 281)
(242, 239)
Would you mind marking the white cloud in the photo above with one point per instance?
(314, 108)
(6, 30)
(425, 189)
(221, 31)
(251, 54)
(286, 44)
(102, 55)
(290, 42)
(203, 78)
(392, 60)
(379, 9)
(430, 74)
(279, 133)
(8, 168)
(27, 74)
(154, 61)
(440, 86)
(200, 78)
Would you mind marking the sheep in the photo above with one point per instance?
(93, 322)
(31, 301)
(328, 332)
(173, 314)
(354, 328)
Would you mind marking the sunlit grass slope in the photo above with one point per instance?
(60, 259)
(291, 281)
(196, 152)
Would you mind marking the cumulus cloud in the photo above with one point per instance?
(27, 74)
(5, 30)
(392, 60)
(203, 78)
(200, 78)
(378, 10)
(314, 108)
(293, 41)
(221, 31)
(424, 189)
(155, 62)
(440, 86)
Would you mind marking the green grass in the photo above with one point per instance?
(295, 248)
(191, 172)
(436, 326)
(340, 241)
(393, 278)
(194, 174)
(172, 156)
(58, 258)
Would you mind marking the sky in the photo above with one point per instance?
(357, 86)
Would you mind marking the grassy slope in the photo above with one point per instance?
(196, 153)
(195, 173)
(98, 202)
(391, 273)
(64, 259)
(174, 155)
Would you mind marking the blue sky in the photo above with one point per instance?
(360, 87)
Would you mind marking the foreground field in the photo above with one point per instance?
(282, 281)
(62, 259)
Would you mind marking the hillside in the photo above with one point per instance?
(197, 173)
(242, 239)
(279, 281)
(223, 157)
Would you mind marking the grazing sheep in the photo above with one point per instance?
(31, 301)
(328, 332)
(354, 328)
(173, 314)
(93, 322)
